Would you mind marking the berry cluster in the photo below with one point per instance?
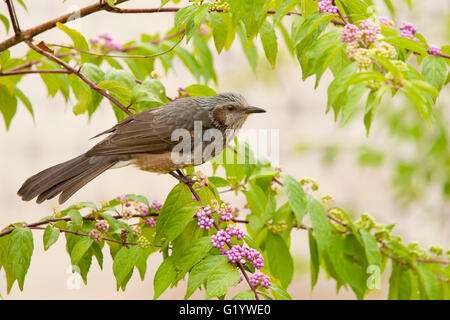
(327, 6)
(156, 206)
(105, 41)
(96, 235)
(151, 222)
(223, 237)
(205, 221)
(143, 242)
(202, 180)
(242, 254)
(102, 225)
(435, 51)
(362, 42)
(260, 279)
(408, 31)
(386, 21)
(222, 240)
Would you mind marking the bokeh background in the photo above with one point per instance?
(294, 108)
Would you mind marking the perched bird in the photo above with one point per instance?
(150, 141)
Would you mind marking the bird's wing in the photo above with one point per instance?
(149, 131)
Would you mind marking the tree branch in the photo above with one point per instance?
(30, 33)
(72, 70)
(13, 17)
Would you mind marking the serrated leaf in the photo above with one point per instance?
(19, 252)
(320, 223)
(124, 262)
(78, 41)
(269, 42)
(296, 197)
(51, 235)
(277, 250)
(80, 248)
(200, 272)
(199, 90)
(405, 43)
(220, 279)
(434, 70)
(314, 261)
(76, 218)
(164, 276)
(219, 30)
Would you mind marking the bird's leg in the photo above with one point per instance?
(182, 178)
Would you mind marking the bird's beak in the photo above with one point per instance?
(250, 109)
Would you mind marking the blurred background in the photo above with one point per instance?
(394, 174)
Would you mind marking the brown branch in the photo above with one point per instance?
(72, 70)
(90, 217)
(13, 17)
(13, 73)
(87, 235)
(30, 33)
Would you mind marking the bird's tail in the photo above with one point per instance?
(65, 178)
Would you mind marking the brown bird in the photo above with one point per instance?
(150, 141)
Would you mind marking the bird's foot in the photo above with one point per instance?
(182, 178)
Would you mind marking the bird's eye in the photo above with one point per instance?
(230, 108)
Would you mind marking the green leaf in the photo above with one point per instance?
(78, 41)
(371, 247)
(76, 218)
(117, 89)
(351, 101)
(219, 30)
(178, 197)
(8, 105)
(189, 61)
(220, 279)
(201, 271)
(279, 293)
(164, 276)
(428, 281)
(245, 295)
(249, 48)
(296, 197)
(19, 252)
(51, 235)
(124, 262)
(434, 70)
(277, 251)
(24, 99)
(320, 223)
(177, 221)
(314, 261)
(93, 72)
(282, 9)
(405, 43)
(5, 22)
(269, 42)
(199, 90)
(205, 58)
(79, 250)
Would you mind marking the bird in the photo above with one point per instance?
(148, 140)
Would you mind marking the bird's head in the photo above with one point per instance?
(230, 110)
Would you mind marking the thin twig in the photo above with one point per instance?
(87, 235)
(13, 73)
(13, 17)
(117, 55)
(72, 70)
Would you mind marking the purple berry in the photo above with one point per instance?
(260, 279)
(435, 51)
